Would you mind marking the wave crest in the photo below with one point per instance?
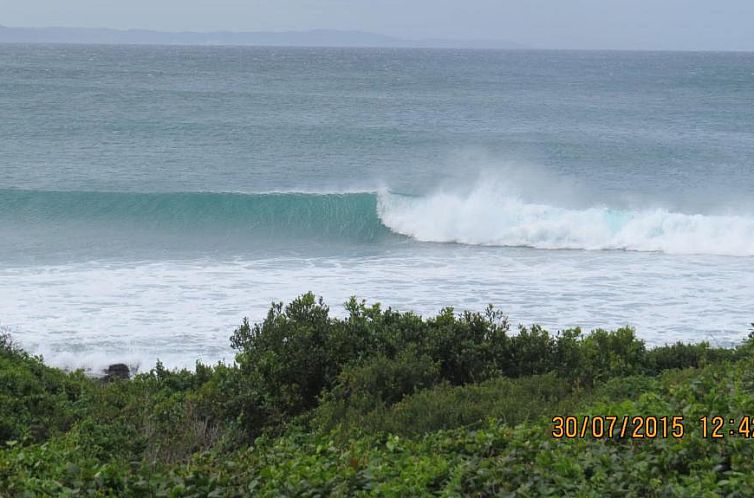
(490, 217)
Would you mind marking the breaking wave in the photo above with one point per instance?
(489, 217)
(485, 216)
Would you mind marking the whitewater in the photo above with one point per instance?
(152, 197)
(491, 217)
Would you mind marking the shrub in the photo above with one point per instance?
(680, 355)
(531, 352)
(374, 384)
(611, 354)
(511, 401)
(467, 346)
(298, 352)
(36, 401)
(285, 360)
(7, 346)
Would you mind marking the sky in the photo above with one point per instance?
(577, 24)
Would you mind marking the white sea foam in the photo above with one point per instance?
(96, 313)
(492, 215)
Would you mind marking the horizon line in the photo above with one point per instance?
(392, 42)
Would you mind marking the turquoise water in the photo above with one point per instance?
(150, 197)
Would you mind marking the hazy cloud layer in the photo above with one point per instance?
(622, 24)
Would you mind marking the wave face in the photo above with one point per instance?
(349, 216)
(486, 216)
(490, 217)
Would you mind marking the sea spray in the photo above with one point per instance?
(490, 216)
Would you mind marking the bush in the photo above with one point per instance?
(612, 354)
(680, 355)
(531, 352)
(298, 352)
(35, 401)
(286, 360)
(511, 401)
(375, 384)
(7, 346)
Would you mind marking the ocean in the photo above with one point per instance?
(152, 197)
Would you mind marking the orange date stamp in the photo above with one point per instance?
(614, 426)
(649, 427)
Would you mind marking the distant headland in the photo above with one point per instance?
(311, 38)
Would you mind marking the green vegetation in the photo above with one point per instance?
(381, 403)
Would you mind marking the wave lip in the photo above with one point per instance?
(489, 217)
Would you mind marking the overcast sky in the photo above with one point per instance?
(618, 24)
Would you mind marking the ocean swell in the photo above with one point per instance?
(485, 216)
(258, 216)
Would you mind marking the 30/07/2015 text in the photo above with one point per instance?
(648, 427)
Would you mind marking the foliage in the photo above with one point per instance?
(380, 403)
(510, 401)
(35, 401)
(374, 384)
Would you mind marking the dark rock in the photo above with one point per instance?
(117, 371)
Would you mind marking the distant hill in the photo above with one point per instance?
(313, 38)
